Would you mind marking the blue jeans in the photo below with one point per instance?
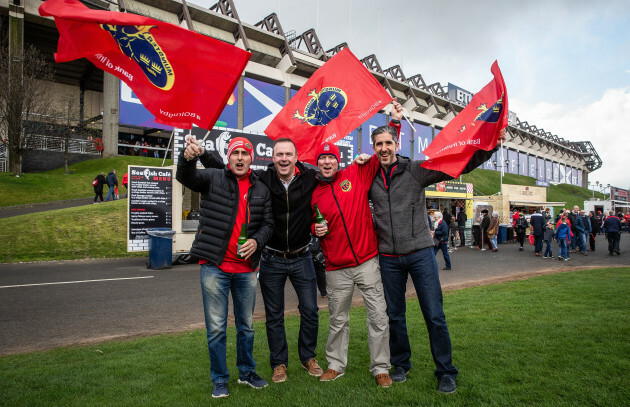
(574, 240)
(462, 238)
(548, 251)
(215, 288)
(538, 241)
(111, 193)
(444, 248)
(582, 241)
(423, 269)
(274, 272)
(563, 247)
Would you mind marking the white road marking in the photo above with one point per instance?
(75, 282)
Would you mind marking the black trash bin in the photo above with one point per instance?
(160, 248)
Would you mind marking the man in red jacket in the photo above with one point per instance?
(351, 249)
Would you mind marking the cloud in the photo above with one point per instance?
(603, 122)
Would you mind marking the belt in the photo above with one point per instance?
(287, 255)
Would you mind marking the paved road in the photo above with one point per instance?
(51, 304)
(8, 211)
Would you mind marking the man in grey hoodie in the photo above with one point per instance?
(406, 248)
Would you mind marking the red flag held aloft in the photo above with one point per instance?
(180, 76)
(336, 99)
(477, 127)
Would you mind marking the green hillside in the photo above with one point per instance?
(55, 185)
(488, 182)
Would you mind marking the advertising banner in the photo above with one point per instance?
(423, 137)
(368, 126)
(261, 102)
(513, 158)
(522, 164)
(149, 204)
(556, 172)
(532, 166)
(219, 139)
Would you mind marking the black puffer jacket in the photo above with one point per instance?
(291, 208)
(219, 206)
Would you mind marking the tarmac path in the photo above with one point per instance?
(52, 304)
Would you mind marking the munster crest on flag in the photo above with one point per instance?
(180, 76)
(477, 127)
(336, 99)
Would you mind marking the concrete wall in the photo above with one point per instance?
(39, 160)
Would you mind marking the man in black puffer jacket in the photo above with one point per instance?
(233, 201)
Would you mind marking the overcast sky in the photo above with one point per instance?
(566, 63)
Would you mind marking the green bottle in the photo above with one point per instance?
(319, 218)
(242, 238)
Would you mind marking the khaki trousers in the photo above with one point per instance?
(340, 286)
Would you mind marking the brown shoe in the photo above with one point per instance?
(330, 375)
(279, 374)
(383, 380)
(312, 367)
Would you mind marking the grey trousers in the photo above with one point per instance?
(340, 286)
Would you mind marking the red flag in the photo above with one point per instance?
(180, 76)
(336, 99)
(477, 127)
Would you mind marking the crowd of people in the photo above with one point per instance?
(256, 227)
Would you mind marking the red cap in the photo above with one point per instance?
(240, 142)
(328, 149)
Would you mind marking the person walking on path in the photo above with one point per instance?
(485, 224)
(441, 234)
(594, 230)
(537, 221)
(98, 188)
(112, 184)
(493, 230)
(233, 202)
(350, 245)
(612, 225)
(548, 238)
(406, 249)
(461, 225)
(521, 226)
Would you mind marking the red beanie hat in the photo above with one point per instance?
(328, 149)
(240, 142)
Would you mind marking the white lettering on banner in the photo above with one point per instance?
(371, 108)
(460, 143)
(170, 115)
(105, 61)
(423, 143)
(463, 97)
(263, 151)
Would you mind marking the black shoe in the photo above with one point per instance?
(399, 375)
(447, 385)
(446, 268)
(520, 249)
(617, 251)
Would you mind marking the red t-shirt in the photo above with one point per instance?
(231, 263)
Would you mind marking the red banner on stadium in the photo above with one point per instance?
(477, 127)
(336, 99)
(180, 76)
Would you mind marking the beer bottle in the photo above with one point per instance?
(242, 238)
(319, 218)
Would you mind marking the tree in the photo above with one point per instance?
(25, 97)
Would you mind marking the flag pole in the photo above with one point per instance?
(168, 146)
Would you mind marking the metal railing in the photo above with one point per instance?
(54, 143)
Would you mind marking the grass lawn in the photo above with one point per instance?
(90, 231)
(55, 185)
(554, 340)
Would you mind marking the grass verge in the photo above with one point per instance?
(55, 185)
(554, 340)
(90, 231)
